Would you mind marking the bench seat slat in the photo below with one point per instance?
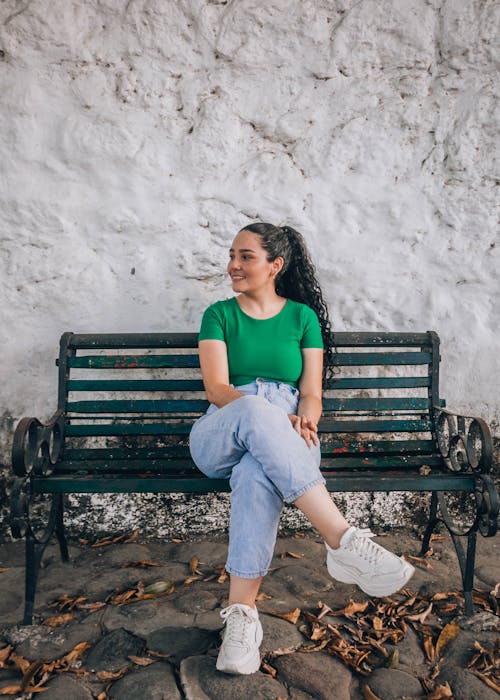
(179, 465)
(120, 429)
(367, 481)
(328, 449)
(133, 361)
(135, 385)
(328, 425)
(377, 383)
(138, 406)
(359, 359)
(377, 404)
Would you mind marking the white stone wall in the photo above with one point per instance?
(137, 136)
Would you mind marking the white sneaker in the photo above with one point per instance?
(242, 638)
(374, 569)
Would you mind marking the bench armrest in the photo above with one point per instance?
(464, 441)
(37, 446)
(466, 446)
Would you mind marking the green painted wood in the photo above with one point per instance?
(374, 426)
(111, 453)
(368, 481)
(119, 429)
(159, 466)
(376, 404)
(345, 447)
(381, 462)
(378, 383)
(133, 361)
(135, 385)
(138, 406)
(358, 359)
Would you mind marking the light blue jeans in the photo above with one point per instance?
(251, 441)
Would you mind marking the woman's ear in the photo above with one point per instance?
(277, 265)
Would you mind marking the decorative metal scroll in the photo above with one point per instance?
(466, 446)
(37, 446)
(464, 442)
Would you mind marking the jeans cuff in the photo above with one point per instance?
(300, 492)
(246, 574)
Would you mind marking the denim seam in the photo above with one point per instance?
(297, 494)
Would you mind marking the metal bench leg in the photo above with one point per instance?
(59, 527)
(34, 552)
(467, 563)
(433, 521)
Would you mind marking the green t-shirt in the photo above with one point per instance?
(268, 348)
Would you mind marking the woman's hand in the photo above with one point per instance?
(306, 428)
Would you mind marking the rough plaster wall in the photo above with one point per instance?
(137, 136)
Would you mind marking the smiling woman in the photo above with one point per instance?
(263, 355)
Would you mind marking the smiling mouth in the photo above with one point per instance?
(235, 278)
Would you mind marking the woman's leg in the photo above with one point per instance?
(323, 514)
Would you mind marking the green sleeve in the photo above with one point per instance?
(212, 327)
(311, 336)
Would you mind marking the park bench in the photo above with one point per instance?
(126, 403)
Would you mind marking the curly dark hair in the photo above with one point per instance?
(297, 279)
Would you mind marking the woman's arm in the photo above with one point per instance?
(215, 372)
(310, 402)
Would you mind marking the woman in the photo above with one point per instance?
(261, 356)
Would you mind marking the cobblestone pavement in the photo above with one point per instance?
(140, 619)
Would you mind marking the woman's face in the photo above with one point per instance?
(248, 266)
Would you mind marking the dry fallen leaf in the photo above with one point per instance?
(77, 652)
(59, 620)
(351, 609)
(19, 661)
(263, 596)
(293, 555)
(418, 561)
(132, 537)
(490, 682)
(442, 691)
(3, 570)
(291, 616)
(141, 660)
(193, 566)
(420, 617)
(112, 675)
(4, 655)
(268, 669)
(448, 633)
(102, 696)
(369, 694)
(10, 690)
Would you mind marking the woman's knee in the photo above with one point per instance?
(260, 411)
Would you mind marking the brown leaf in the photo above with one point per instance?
(132, 537)
(490, 682)
(442, 691)
(92, 606)
(420, 617)
(393, 659)
(418, 561)
(268, 669)
(3, 570)
(141, 660)
(123, 597)
(193, 565)
(10, 690)
(377, 623)
(448, 633)
(318, 633)
(77, 652)
(293, 555)
(191, 579)
(4, 654)
(158, 654)
(30, 673)
(102, 696)
(263, 596)
(429, 647)
(437, 538)
(368, 693)
(223, 577)
(292, 616)
(21, 663)
(143, 564)
(352, 608)
(112, 675)
(59, 620)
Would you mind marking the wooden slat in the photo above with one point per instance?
(373, 426)
(132, 466)
(367, 481)
(358, 359)
(135, 385)
(138, 406)
(73, 454)
(377, 383)
(376, 404)
(347, 447)
(381, 462)
(118, 429)
(133, 361)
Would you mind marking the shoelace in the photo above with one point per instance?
(237, 621)
(361, 544)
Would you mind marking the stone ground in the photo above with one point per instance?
(107, 639)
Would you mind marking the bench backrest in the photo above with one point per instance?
(130, 401)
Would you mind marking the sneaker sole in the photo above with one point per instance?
(249, 666)
(369, 587)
